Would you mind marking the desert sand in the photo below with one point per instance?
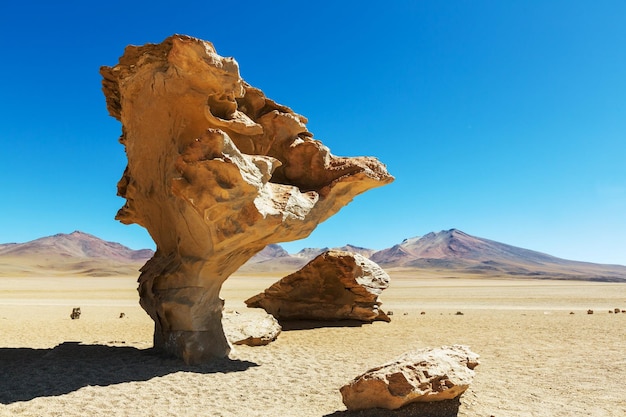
(537, 359)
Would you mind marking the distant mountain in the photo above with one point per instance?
(76, 253)
(454, 246)
(310, 253)
(449, 252)
(455, 250)
(272, 251)
(357, 249)
(275, 258)
(456, 253)
(76, 244)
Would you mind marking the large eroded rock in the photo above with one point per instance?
(423, 375)
(336, 285)
(216, 171)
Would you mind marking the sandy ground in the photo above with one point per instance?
(537, 359)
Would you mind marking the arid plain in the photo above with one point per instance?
(537, 358)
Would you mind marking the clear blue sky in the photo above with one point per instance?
(505, 119)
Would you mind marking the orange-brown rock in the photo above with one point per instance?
(423, 375)
(216, 171)
(336, 285)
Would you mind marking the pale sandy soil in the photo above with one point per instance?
(536, 358)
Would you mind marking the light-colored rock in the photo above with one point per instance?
(336, 285)
(216, 171)
(423, 375)
(250, 329)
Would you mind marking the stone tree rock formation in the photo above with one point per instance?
(420, 376)
(216, 171)
(336, 285)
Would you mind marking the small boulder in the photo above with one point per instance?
(616, 310)
(336, 285)
(589, 311)
(122, 315)
(75, 313)
(420, 376)
(250, 329)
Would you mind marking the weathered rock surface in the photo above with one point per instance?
(336, 285)
(423, 375)
(216, 171)
(251, 330)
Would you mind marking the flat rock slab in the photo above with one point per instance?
(419, 376)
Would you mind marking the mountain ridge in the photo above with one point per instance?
(457, 252)
(75, 253)
(449, 251)
(455, 244)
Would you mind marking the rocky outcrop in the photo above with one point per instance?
(423, 375)
(216, 171)
(336, 285)
(251, 330)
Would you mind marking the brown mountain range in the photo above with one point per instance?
(76, 253)
(459, 252)
(455, 253)
(448, 253)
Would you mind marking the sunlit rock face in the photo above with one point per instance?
(216, 171)
(336, 285)
(423, 375)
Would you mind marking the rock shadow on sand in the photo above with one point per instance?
(31, 373)
(288, 325)
(446, 408)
